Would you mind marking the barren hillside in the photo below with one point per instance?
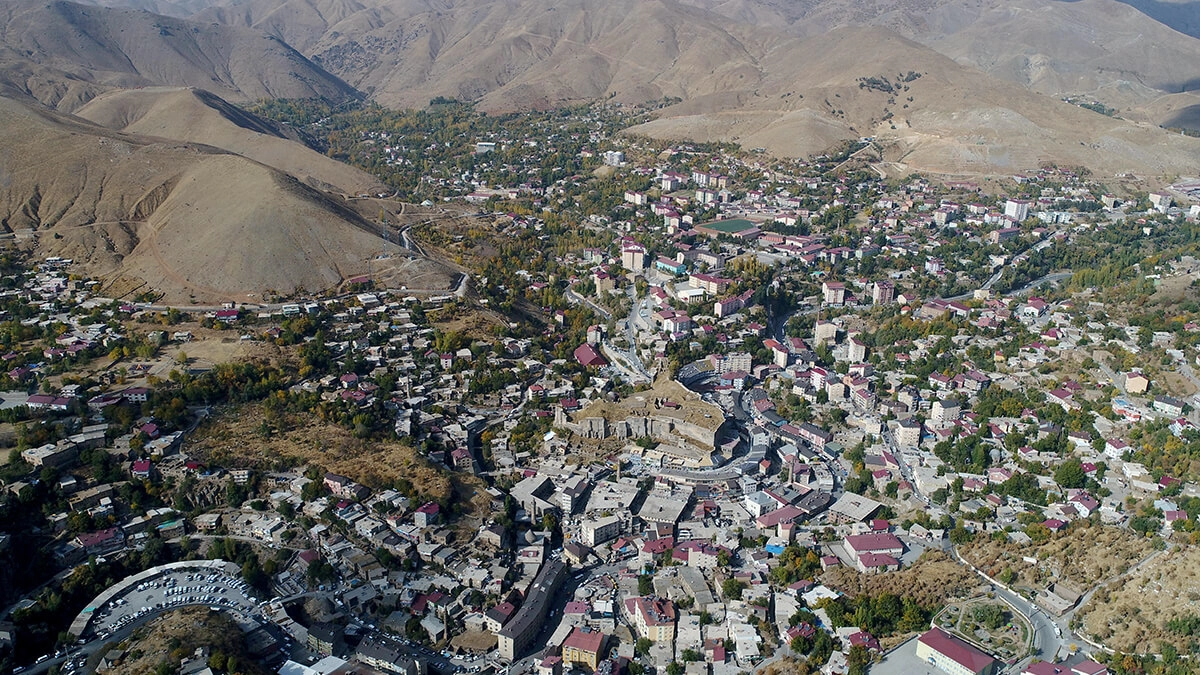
(193, 222)
(743, 73)
(60, 52)
(197, 116)
(792, 77)
(927, 112)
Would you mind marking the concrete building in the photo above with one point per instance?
(596, 532)
(834, 292)
(1017, 209)
(952, 655)
(387, 658)
(883, 292)
(876, 552)
(908, 433)
(944, 413)
(654, 618)
(516, 635)
(583, 647)
(633, 257)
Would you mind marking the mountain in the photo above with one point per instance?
(198, 116)
(927, 111)
(191, 221)
(791, 76)
(1137, 56)
(64, 53)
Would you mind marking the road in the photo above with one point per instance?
(579, 299)
(890, 442)
(1048, 634)
(1041, 281)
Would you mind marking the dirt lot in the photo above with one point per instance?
(177, 635)
(477, 643)
(1131, 613)
(932, 581)
(234, 438)
(1083, 556)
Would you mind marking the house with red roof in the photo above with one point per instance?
(583, 646)
(142, 468)
(588, 357)
(874, 552)
(427, 514)
(101, 541)
(864, 639)
(952, 655)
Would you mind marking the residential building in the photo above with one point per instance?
(875, 552)
(654, 618)
(325, 639)
(944, 413)
(583, 647)
(601, 530)
(391, 659)
(1136, 383)
(834, 292)
(883, 292)
(1017, 209)
(633, 257)
(908, 433)
(528, 621)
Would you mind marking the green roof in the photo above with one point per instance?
(729, 226)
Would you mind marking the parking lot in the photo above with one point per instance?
(903, 661)
(173, 589)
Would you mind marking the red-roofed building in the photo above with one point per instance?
(874, 552)
(588, 357)
(101, 541)
(1088, 667)
(142, 468)
(864, 639)
(654, 618)
(427, 514)
(952, 655)
(583, 646)
(496, 617)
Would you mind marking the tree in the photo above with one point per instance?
(645, 585)
(1070, 474)
(990, 615)
(960, 535)
(857, 660)
(675, 668)
(643, 646)
(732, 588)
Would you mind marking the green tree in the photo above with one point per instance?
(645, 585)
(1070, 474)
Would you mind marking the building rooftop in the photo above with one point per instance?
(585, 640)
(956, 650)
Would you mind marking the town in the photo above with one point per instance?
(700, 412)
